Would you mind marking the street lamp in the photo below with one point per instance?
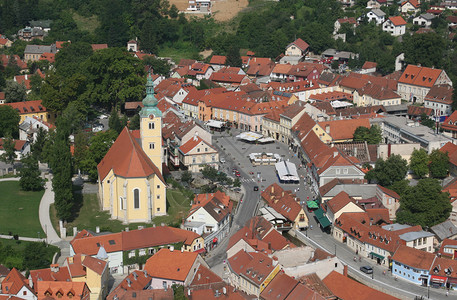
(335, 249)
(372, 274)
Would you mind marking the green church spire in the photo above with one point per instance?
(150, 101)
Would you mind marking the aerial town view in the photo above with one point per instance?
(228, 149)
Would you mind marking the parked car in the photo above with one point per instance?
(366, 269)
(103, 116)
(237, 174)
(222, 160)
(256, 188)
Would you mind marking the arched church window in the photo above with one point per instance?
(136, 198)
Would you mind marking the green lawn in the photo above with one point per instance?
(86, 23)
(179, 50)
(90, 216)
(19, 210)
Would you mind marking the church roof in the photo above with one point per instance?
(127, 159)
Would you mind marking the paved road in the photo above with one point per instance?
(45, 219)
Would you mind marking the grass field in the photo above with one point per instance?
(14, 257)
(19, 211)
(90, 216)
(86, 24)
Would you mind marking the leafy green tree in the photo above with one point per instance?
(209, 172)
(99, 144)
(2, 81)
(335, 65)
(135, 122)
(372, 135)
(375, 136)
(15, 92)
(9, 121)
(415, 52)
(426, 121)
(237, 182)
(114, 22)
(70, 59)
(424, 204)
(148, 42)
(36, 256)
(159, 66)
(233, 57)
(8, 146)
(419, 162)
(186, 176)
(386, 172)
(30, 174)
(114, 121)
(439, 164)
(81, 148)
(35, 84)
(361, 134)
(178, 292)
(38, 144)
(114, 77)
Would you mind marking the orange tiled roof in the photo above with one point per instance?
(226, 78)
(346, 288)
(414, 257)
(282, 69)
(282, 201)
(18, 144)
(23, 79)
(62, 290)
(51, 57)
(440, 94)
(60, 44)
(14, 282)
(301, 44)
(194, 142)
(126, 158)
(447, 242)
(135, 281)
(339, 201)
(218, 60)
(281, 286)
(350, 20)
(203, 275)
(47, 275)
(99, 46)
(331, 96)
(172, 265)
(28, 107)
(369, 65)
(419, 76)
(414, 3)
(343, 129)
(254, 265)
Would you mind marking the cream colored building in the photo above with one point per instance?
(196, 153)
(131, 185)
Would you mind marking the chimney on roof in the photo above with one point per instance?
(224, 290)
(345, 270)
(172, 248)
(272, 188)
(97, 229)
(327, 128)
(127, 229)
(199, 276)
(335, 154)
(55, 268)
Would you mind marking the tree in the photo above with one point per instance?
(36, 256)
(233, 57)
(237, 182)
(30, 174)
(335, 65)
(159, 66)
(419, 162)
(35, 84)
(425, 49)
(426, 121)
(387, 172)
(15, 92)
(148, 37)
(209, 172)
(81, 148)
(178, 292)
(372, 135)
(186, 176)
(439, 164)
(134, 123)
(424, 204)
(8, 146)
(38, 144)
(99, 144)
(9, 121)
(2, 81)
(114, 122)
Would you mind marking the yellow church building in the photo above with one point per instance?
(131, 185)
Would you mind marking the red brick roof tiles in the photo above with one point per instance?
(172, 265)
(369, 65)
(350, 20)
(301, 44)
(203, 275)
(346, 288)
(282, 201)
(126, 158)
(414, 257)
(28, 107)
(281, 286)
(13, 282)
(440, 94)
(99, 46)
(194, 142)
(67, 290)
(338, 202)
(343, 129)
(218, 60)
(226, 78)
(420, 76)
(255, 266)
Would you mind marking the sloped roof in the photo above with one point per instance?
(301, 44)
(218, 60)
(99, 46)
(137, 280)
(417, 111)
(194, 142)
(281, 286)
(419, 76)
(28, 107)
(338, 202)
(282, 201)
(172, 265)
(48, 275)
(13, 282)
(227, 78)
(203, 275)
(254, 265)
(378, 92)
(415, 258)
(345, 288)
(440, 93)
(127, 159)
(444, 230)
(79, 289)
(414, 3)
(343, 129)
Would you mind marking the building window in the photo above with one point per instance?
(131, 254)
(194, 160)
(198, 149)
(158, 186)
(136, 198)
(158, 208)
(151, 125)
(142, 252)
(158, 196)
(151, 146)
(121, 203)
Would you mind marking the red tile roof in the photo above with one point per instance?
(259, 66)
(99, 46)
(3, 41)
(282, 201)
(2, 95)
(419, 76)
(47, 275)
(172, 265)
(14, 282)
(62, 290)
(28, 107)
(60, 44)
(51, 57)
(254, 265)
(204, 276)
(369, 65)
(194, 142)
(18, 144)
(350, 20)
(135, 281)
(281, 286)
(301, 44)
(126, 158)
(23, 79)
(331, 96)
(445, 244)
(142, 294)
(414, 3)
(415, 258)
(343, 129)
(218, 60)
(357, 81)
(377, 92)
(338, 202)
(226, 78)
(451, 149)
(440, 94)
(417, 111)
(346, 288)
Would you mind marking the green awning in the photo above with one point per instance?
(321, 218)
(377, 255)
(312, 204)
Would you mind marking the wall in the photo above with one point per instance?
(321, 267)
(404, 150)
(407, 273)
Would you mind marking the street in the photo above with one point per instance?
(236, 154)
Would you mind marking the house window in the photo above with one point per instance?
(151, 125)
(198, 149)
(206, 149)
(121, 203)
(194, 160)
(142, 252)
(213, 157)
(151, 146)
(158, 196)
(131, 253)
(151, 251)
(158, 186)
(164, 284)
(136, 198)
(158, 208)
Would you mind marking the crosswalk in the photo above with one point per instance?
(247, 180)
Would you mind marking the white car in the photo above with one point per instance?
(222, 160)
(102, 117)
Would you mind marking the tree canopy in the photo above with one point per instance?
(373, 135)
(386, 172)
(30, 174)
(9, 121)
(439, 164)
(419, 162)
(424, 204)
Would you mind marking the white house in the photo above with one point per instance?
(396, 26)
(409, 7)
(439, 98)
(28, 130)
(132, 45)
(424, 20)
(376, 15)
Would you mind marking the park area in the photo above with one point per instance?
(19, 213)
(90, 216)
(222, 10)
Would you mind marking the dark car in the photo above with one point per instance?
(366, 269)
(256, 188)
